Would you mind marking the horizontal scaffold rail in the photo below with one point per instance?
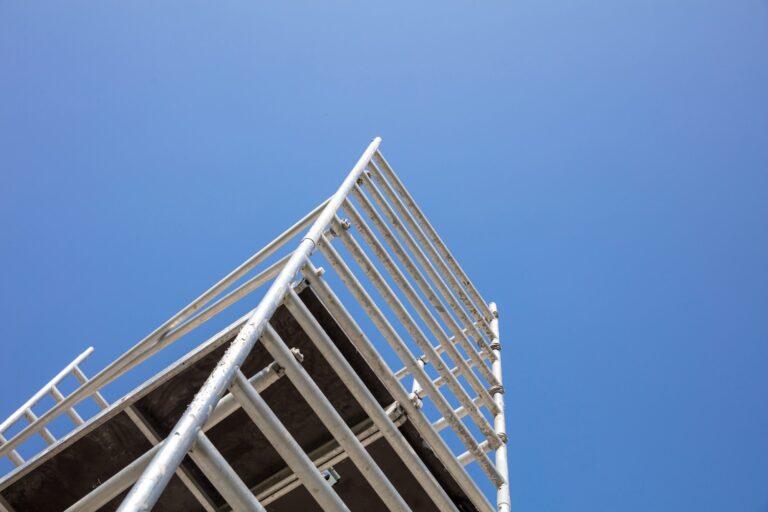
(373, 384)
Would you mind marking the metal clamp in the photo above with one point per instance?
(331, 476)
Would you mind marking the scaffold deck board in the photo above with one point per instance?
(97, 452)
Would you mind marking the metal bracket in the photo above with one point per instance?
(297, 354)
(344, 224)
(331, 476)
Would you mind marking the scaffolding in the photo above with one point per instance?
(380, 394)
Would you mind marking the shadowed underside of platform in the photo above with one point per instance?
(98, 452)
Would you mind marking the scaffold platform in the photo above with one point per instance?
(367, 378)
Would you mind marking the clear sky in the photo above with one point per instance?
(599, 168)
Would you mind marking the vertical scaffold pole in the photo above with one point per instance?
(503, 503)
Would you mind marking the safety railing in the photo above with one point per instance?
(203, 309)
(37, 425)
(426, 314)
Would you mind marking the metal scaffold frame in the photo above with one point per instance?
(419, 302)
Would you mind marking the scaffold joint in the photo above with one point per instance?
(493, 390)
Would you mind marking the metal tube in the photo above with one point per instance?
(402, 372)
(71, 412)
(328, 454)
(162, 332)
(214, 309)
(396, 390)
(220, 305)
(364, 397)
(43, 431)
(218, 471)
(13, 454)
(405, 355)
(336, 455)
(285, 445)
(418, 336)
(147, 489)
(333, 421)
(150, 485)
(13, 418)
(126, 477)
(471, 362)
(261, 381)
(143, 349)
(503, 502)
(80, 376)
(115, 485)
(466, 457)
(414, 299)
(189, 482)
(433, 236)
(438, 381)
(427, 289)
(418, 249)
(442, 423)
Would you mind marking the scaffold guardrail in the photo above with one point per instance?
(393, 273)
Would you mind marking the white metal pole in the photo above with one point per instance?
(503, 503)
(391, 267)
(150, 485)
(461, 335)
(286, 446)
(13, 418)
(436, 259)
(416, 333)
(123, 479)
(386, 169)
(162, 336)
(324, 457)
(395, 212)
(332, 421)
(15, 457)
(403, 352)
(216, 468)
(395, 388)
(365, 398)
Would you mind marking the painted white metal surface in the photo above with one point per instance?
(406, 263)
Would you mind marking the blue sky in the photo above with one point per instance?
(599, 168)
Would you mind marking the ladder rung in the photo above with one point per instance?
(43, 431)
(71, 412)
(13, 455)
(80, 376)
